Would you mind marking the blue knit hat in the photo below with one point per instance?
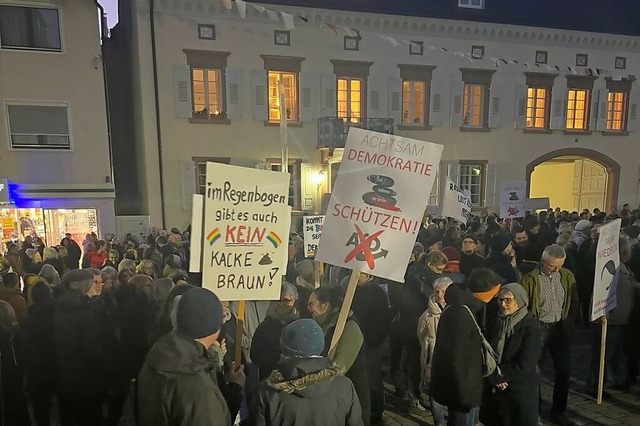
(302, 338)
(199, 313)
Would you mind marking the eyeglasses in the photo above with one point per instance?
(507, 300)
(286, 301)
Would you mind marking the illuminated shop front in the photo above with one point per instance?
(52, 211)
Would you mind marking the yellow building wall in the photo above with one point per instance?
(554, 180)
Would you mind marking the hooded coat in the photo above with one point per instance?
(456, 367)
(178, 385)
(306, 391)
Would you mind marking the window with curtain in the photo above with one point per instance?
(207, 93)
(39, 126)
(473, 105)
(414, 94)
(289, 81)
(30, 28)
(350, 99)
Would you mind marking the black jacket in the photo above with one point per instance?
(265, 346)
(16, 351)
(79, 348)
(456, 372)
(306, 391)
(518, 404)
(39, 326)
(371, 307)
(469, 262)
(412, 304)
(501, 265)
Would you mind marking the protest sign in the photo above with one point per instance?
(607, 263)
(512, 199)
(535, 204)
(246, 229)
(312, 226)
(456, 203)
(377, 203)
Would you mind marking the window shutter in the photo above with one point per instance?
(182, 91)
(435, 103)
(633, 124)
(187, 181)
(558, 108)
(521, 107)
(377, 97)
(494, 106)
(594, 113)
(457, 89)
(259, 94)
(309, 90)
(450, 168)
(395, 100)
(233, 83)
(434, 195)
(328, 99)
(491, 183)
(307, 187)
(600, 99)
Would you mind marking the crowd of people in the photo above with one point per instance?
(88, 325)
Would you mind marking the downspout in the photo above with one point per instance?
(103, 36)
(154, 57)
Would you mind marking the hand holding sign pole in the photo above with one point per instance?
(376, 207)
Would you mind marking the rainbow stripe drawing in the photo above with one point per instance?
(213, 236)
(275, 240)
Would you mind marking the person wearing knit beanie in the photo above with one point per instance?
(199, 313)
(302, 338)
(500, 242)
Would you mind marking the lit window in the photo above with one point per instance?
(473, 105)
(207, 93)
(537, 107)
(38, 126)
(578, 109)
(471, 4)
(289, 81)
(31, 28)
(616, 111)
(350, 99)
(472, 179)
(413, 102)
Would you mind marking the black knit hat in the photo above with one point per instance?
(500, 241)
(199, 313)
(302, 338)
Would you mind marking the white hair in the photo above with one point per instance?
(442, 282)
(554, 251)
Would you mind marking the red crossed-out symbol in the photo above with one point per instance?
(364, 247)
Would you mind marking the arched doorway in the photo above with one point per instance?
(575, 179)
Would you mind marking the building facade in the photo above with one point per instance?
(510, 97)
(54, 146)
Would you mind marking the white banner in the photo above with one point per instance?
(312, 226)
(535, 204)
(378, 201)
(246, 230)
(607, 270)
(512, 198)
(456, 203)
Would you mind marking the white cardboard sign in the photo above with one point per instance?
(607, 269)
(456, 203)
(312, 230)
(512, 198)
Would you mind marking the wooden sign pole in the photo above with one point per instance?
(344, 313)
(239, 333)
(603, 347)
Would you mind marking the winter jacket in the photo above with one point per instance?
(625, 295)
(531, 283)
(501, 265)
(265, 346)
(371, 307)
(518, 404)
(178, 385)
(469, 262)
(306, 391)
(39, 327)
(427, 328)
(16, 350)
(412, 304)
(79, 348)
(97, 258)
(456, 369)
(14, 297)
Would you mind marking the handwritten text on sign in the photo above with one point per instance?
(246, 230)
(606, 274)
(312, 229)
(377, 203)
(456, 203)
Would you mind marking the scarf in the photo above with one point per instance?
(283, 318)
(505, 328)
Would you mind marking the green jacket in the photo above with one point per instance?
(531, 283)
(178, 386)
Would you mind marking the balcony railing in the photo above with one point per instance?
(332, 131)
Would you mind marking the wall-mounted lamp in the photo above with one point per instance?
(317, 178)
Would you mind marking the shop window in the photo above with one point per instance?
(39, 126)
(472, 179)
(30, 28)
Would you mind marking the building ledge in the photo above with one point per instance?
(208, 121)
(622, 133)
(404, 127)
(577, 132)
(538, 131)
(289, 124)
(475, 129)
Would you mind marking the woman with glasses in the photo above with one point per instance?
(511, 393)
(265, 345)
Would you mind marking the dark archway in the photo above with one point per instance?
(612, 167)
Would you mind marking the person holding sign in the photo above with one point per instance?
(324, 305)
(553, 301)
(305, 388)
